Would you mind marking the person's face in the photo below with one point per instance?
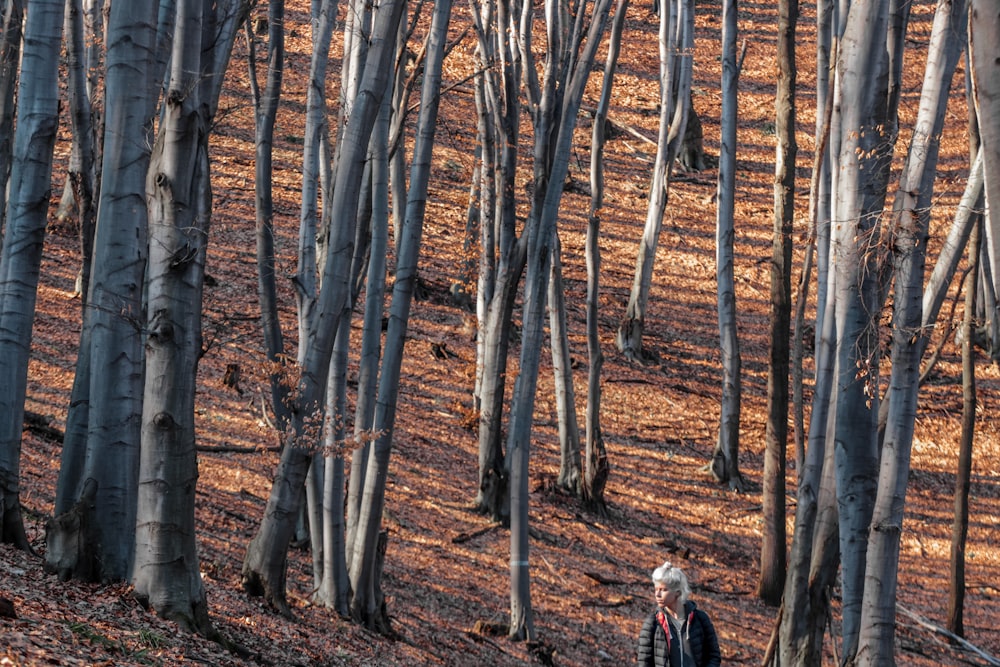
(665, 597)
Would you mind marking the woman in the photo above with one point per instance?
(677, 633)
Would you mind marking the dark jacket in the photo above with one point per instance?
(654, 650)
(700, 633)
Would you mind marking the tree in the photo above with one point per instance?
(11, 15)
(82, 176)
(502, 252)
(861, 164)
(24, 233)
(676, 40)
(166, 574)
(104, 419)
(725, 461)
(266, 109)
(368, 605)
(911, 218)
(264, 565)
(870, 511)
(773, 559)
(984, 42)
(570, 470)
(555, 118)
(596, 468)
(963, 477)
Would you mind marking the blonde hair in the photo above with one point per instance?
(674, 579)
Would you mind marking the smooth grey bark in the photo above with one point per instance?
(82, 176)
(817, 249)
(325, 488)
(264, 565)
(306, 278)
(166, 574)
(984, 49)
(966, 216)
(104, 417)
(24, 235)
(596, 468)
(676, 40)
(559, 116)
(11, 16)
(371, 346)
(773, 557)
(725, 456)
(383, 175)
(330, 546)
(798, 632)
(503, 253)
(266, 104)
(368, 604)
(858, 204)
(909, 337)
(570, 468)
(312, 225)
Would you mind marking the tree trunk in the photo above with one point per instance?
(166, 574)
(725, 457)
(984, 49)
(24, 234)
(963, 475)
(966, 218)
(912, 218)
(676, 39)
(368, 605)
(82, 166)
(368, 364)
(558, 116)
(503, 255)
(11, 523)
(11, 16)
(266, 110)
(264, 565)
(860, 195)
(805, 606)
(596, 468)
(773, 540)
(104, 418)
(562, 370)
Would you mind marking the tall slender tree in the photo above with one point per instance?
(773, 558)
(502, 252)
(166, 573)
(24, 234)
(963, 477)
(11, 16)
(676, 40)
(266, 558)
(596, 468)
(555, 116)
(368, 604)
(909, 233)
(725, 457)
(104, 418)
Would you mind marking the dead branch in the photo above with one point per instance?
(462, 538)
(605, 581)
(42, 425)
(951, 636)
(611, 602)
(235, 449)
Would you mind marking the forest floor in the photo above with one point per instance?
(446, 568)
